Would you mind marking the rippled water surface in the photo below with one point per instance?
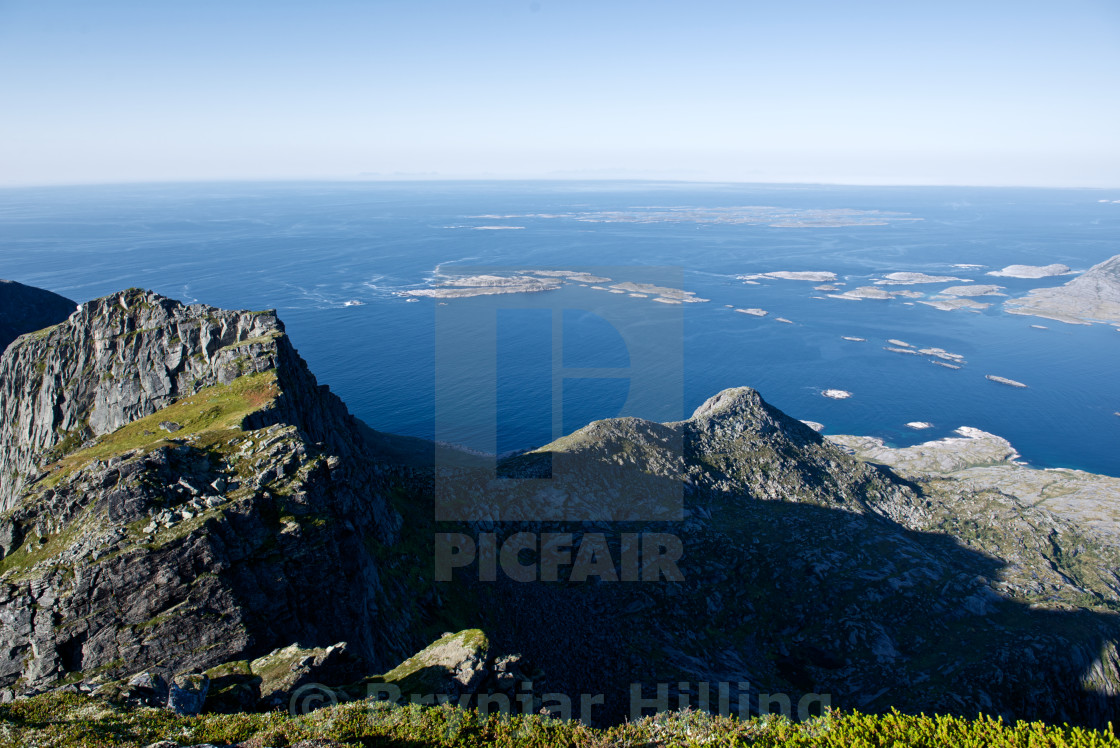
(334, 258)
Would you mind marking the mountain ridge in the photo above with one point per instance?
(223, 506)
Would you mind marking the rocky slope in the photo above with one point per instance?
(25, 309)
(805, 571)
(1093, 296)
(980, 462)
(181, 496)
(179, 492)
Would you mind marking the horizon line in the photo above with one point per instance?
(432, 177)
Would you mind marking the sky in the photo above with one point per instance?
(994, 92)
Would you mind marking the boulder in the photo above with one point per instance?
(187, 693)
(454, 664)
(284, 671)
(233, 688)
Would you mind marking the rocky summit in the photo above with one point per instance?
(180, 493)
(191, 520)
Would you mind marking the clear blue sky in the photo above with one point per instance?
(946, 92)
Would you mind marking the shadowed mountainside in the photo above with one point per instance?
(25, 309)
(181, 495)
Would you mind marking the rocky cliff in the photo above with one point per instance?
(181, 495)
(179, 492)
(26, 309)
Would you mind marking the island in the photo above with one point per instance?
(816, 276)
(863, 292)
(1031, 271)
(1091, 297)
(571, 275)
(535, 281)
(661, 292)
(948, 305)
(978, 290)
(1005, 380)
(908, 279)
(484, 285)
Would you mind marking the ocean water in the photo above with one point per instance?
(334, 258)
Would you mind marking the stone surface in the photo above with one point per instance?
(737, 545)
(981, 462)
(452, 665)
(1093, 296)
(284, 671)
(187, 693)
(257, 524)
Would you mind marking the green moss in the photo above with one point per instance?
(239, 667)
(85, 722)
(36, 550)
(45, 332)
(206, 417)
(268, 337)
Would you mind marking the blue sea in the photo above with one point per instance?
(334, 258)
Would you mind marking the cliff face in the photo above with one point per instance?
(179, 492)
(126, 356)
(25, 309)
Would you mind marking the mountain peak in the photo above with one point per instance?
(730, 402)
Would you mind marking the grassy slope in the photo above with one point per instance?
(205, 417)
(79, 721)
(208, 419)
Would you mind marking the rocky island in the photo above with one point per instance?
(1031, 271)
(1093, 296)
(190, 521)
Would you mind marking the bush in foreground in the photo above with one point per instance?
(66, 720)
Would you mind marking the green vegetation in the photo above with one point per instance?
(267, 337)
(426, 671)
(205, 417)
(37, 549)
(72, 720)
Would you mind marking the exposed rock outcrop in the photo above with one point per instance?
(181, 497)
(256, 523)
(801, 570)
(1093, 296)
